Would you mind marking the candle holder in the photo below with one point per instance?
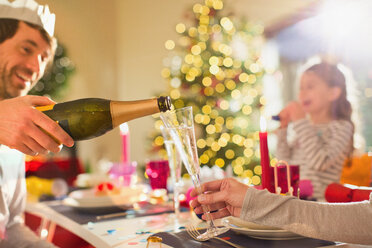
(158, 172)
(291, 178)
(124, 174)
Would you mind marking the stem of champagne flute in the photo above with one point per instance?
(176, 193)
(206, 208)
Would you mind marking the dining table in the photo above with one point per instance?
(132, 229)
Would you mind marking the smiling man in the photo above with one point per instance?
(27, 47)
(23, 59)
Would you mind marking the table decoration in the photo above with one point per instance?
(124, 173)
(336, 192)
(158, 172)
(152, 240)
(124, 133)
(87, 200)
(286, 178)
(266, 176)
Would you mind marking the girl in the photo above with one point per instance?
(323, 128)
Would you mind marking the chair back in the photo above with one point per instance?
(357, 170)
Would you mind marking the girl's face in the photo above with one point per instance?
(315, 95)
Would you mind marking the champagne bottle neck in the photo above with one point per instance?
(123, 111)
(164, 103)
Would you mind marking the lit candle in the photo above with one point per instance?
(124, 132)
(265, 160)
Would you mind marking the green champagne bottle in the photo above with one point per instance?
(87, 118)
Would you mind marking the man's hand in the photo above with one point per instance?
(20, 125)
(225, 197)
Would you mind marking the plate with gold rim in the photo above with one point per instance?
(87, 199)
(258, 231)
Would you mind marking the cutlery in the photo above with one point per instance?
(195, 234)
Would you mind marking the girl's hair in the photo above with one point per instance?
(341, 107)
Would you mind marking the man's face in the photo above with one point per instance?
(23, 59)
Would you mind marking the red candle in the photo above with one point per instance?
(265, 159)
(124, 132)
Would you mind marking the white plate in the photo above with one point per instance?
(258, 231)
(87, 199)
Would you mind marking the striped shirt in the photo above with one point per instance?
(319, 150)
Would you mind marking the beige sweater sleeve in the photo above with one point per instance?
(343, 222)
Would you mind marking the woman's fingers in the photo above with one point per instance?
(218, 214)
(213, 186)
(208, 186)
(211, 198)
(199, 209)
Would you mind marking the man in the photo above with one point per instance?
(25, 52)
(26, 47)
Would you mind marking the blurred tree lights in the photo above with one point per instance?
(216, 67)
(55, 80)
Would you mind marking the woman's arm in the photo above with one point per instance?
(344, 222)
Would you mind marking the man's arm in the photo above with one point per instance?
(20, 125)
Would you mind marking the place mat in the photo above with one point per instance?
(183, 240)
(85, 217)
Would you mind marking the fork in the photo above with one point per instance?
(195, 234)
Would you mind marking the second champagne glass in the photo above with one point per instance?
(180, 124)
(175, 165)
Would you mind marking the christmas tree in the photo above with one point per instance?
(215, 66)
(55, 79)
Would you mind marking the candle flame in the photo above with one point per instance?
(263, 124)
(124, 129)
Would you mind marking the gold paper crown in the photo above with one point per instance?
(29, 11)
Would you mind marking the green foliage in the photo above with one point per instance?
(55, 79)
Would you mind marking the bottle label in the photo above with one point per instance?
(45, 108)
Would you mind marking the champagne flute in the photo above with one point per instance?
(175, 165)
(180, 124)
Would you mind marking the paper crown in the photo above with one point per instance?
(28, 11)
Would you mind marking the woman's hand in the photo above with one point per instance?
(225, 197)
(20, 125)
